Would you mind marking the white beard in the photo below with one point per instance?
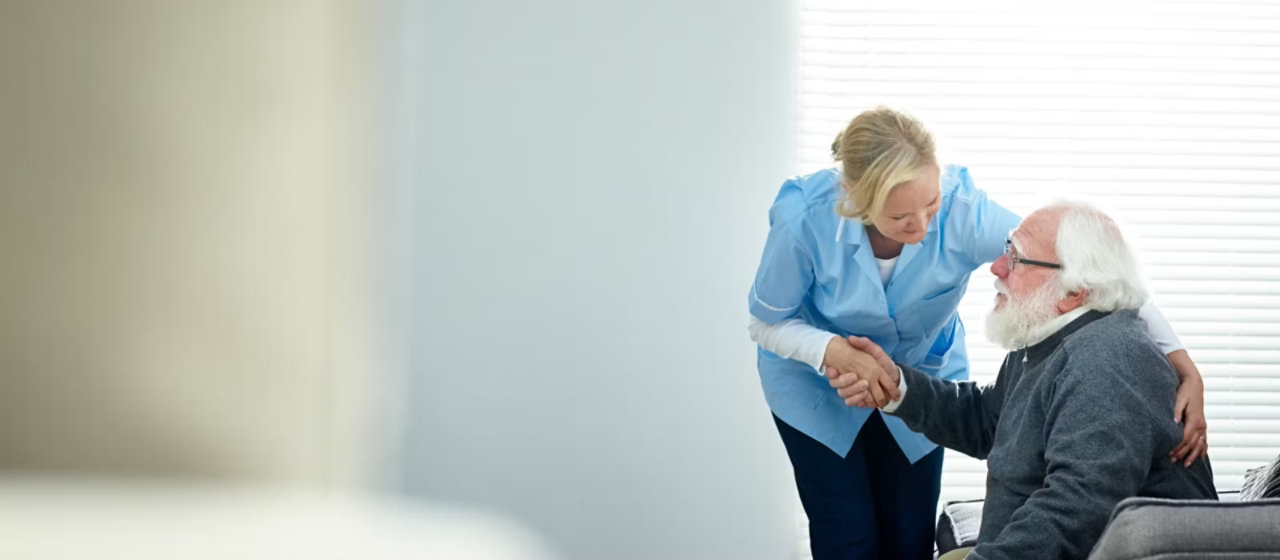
(1021, 323)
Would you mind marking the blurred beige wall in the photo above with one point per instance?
(185, 283)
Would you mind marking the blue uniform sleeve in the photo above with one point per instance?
(783, 279)
(987, 223)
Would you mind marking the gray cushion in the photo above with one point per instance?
(1262, 482)
(1156, 528)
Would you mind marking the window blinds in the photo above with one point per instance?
(1165, 114)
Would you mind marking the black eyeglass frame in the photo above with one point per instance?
(1015, 260)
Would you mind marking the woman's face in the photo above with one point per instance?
(909, 208)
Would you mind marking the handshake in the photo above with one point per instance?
(861, 373)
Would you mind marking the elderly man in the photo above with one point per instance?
(1081, 415)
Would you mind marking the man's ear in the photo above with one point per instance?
(1073, 300)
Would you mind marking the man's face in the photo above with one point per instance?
(1029, 296)
(1034, 240)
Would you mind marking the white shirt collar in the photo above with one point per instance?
(1054, 325)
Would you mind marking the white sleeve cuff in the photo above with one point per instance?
(902, 392)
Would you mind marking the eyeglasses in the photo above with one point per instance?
(1015, 259)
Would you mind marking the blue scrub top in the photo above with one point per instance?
(818, 266)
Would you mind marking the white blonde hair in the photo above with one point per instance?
(1095, 257)
(879, 150)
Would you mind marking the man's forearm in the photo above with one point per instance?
(951, 414)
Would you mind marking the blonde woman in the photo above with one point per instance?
(882, 248)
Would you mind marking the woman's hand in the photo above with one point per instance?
(857, 374)
(855, 392)
(1188, 409)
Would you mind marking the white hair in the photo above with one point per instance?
(1095, 257)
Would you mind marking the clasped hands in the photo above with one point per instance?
(861, 373)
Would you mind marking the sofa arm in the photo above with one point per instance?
(1156, 528)
(958, 525)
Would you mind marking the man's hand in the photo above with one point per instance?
(846, 366)
(886, 363)
(856, 369)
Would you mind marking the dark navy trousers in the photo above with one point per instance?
(871, 504)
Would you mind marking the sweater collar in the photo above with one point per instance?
(1041, 350)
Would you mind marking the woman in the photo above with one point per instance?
(882, 248)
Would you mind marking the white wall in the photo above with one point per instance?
(583, 198)
(184, 240)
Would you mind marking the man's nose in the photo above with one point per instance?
(1000, 268)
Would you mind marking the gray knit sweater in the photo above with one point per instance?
(1071, 426)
